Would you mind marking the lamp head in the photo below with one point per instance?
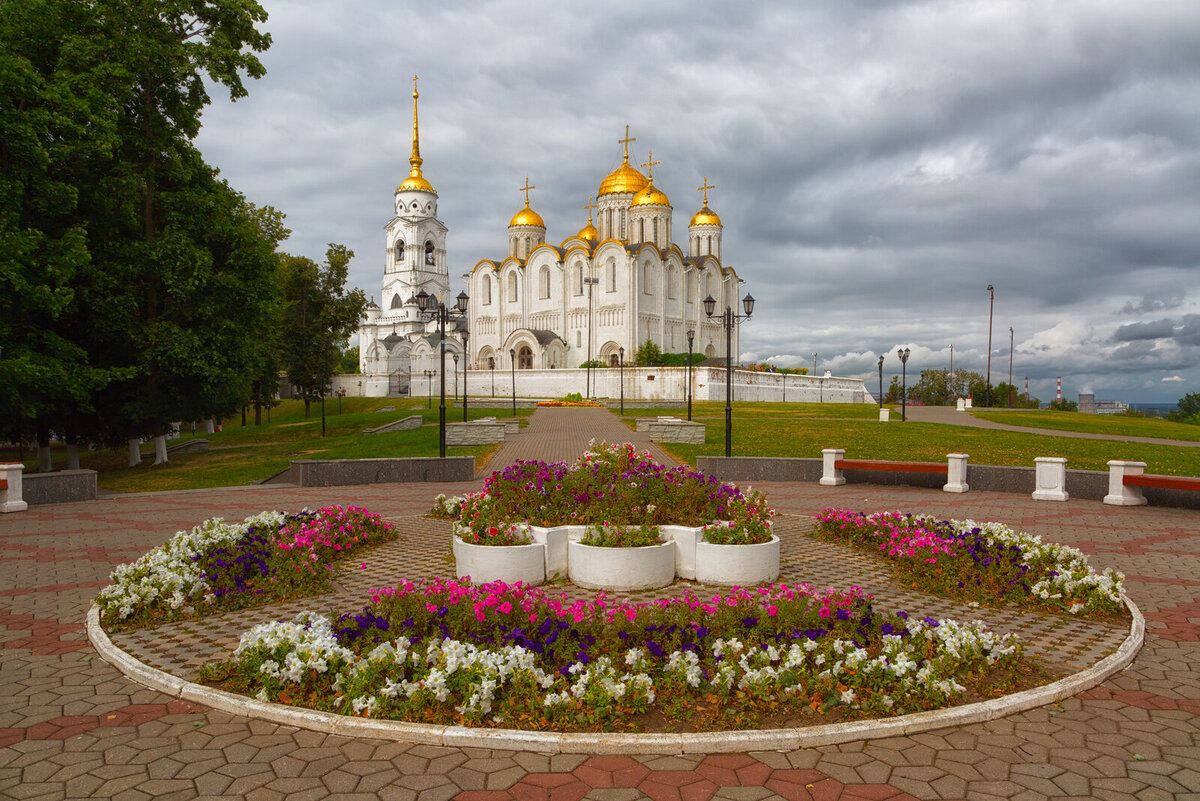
(710, 303)
(461, 301)
(423, 300)
(990, 288)
(748, 304)
(691, 334)
(880, 362)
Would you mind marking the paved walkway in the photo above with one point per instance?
(73, 727)
(947, 415)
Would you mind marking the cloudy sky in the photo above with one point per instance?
(877, 164)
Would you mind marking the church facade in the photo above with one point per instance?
(618, 282)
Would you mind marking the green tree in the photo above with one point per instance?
(1064, 405)
(1188, 411)
(648, 354)
(348, 364)
(318, 315)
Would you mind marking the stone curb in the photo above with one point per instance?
(711, 742)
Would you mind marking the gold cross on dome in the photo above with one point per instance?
(626, 142)
(705, 189)
(589, 208)
(526, 189)
(651, 164)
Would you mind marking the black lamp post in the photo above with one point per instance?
(466, 363)
(492, 369)
(987, 395)
(691, 334)
(621, 361)
(429, 389)
(880, 383)
(729, 319)
(434, 309)
(512, 360)
(903, 354)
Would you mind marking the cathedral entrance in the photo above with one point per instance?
(525, 358)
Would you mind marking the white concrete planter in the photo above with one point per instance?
(555, 541)
(742, 565)
(507, 563)
(622, 569)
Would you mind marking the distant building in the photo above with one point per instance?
(1089, 405)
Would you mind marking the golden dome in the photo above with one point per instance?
(588, 233)
(650, 196)
(623, 180)
(416, 181)
(705, 216)
(527, 216)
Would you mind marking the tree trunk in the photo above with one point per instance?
(160, 449)
(209, 428)
(135, 452)
(72, 449)
(45, 464)
(306, 402)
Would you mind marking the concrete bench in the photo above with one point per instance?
(474, 433)
(1126, 479)
(834, 463)
(642, 424)
(403, 424)
(676, 431)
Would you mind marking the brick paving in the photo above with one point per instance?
(71, 726)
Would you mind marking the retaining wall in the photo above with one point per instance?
(343, 472)
(63, 486)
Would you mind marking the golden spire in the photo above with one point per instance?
(589, 208)
(415, 180)
(705, 216)
(626, 142)
(705, 189)
(588, 233)
(527, 216)
(526, 189)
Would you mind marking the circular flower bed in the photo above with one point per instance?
(448, 652)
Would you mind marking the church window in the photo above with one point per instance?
(524, 358)
(622, 224)
(544, 281)
(612, 276)
(429, 253)
(710, 246)
(648, 278)
(614, 360)
(608, 229)
(655, 222)
(671, 289)
(691, 289)
(399, 249)
(641, 230)
(578, 278)
(487, 290)
(512, 287)
(578, 339)
(397, 302)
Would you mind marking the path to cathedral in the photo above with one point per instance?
(71, 726)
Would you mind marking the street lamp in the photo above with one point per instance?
(429, 389)
(466, 363)
(903, 354)
(729, 319)
(590, 281)
(881, 383)
(512, 361)
(1010, 383)
(454, 356)
(433, 309)
(621, 363)
(691, 334)
(987, 395)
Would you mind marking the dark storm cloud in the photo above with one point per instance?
(878, 164)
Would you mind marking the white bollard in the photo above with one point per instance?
(956, 473)
(962, 405)
(831, 476)
(1118, 493)
(1050, 483)
(884, 415)
(969, 403)
(10, 495)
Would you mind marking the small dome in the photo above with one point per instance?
(650, 196)
(705, 216)
(527, 216)
(623, 180)
(416, 182)
(588, 233)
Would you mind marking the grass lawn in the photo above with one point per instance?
(1117, 424)
(757, 434)
(239, 456)
(715, 410)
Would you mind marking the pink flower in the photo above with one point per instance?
(505, 608)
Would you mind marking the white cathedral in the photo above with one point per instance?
(618, 282)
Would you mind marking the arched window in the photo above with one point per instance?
(397, 302)
(622, 223)
(641, 230)
(512, 287)
(524, 358)
(429, 253)
(648, 279)
(691, 289)
(710, 246)
(491, 362)
(487, 290)
(612, 275)
(614, 360)
(578, 278)
(655, 223)
(671, 288)
(544, 281)
(399, 250)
